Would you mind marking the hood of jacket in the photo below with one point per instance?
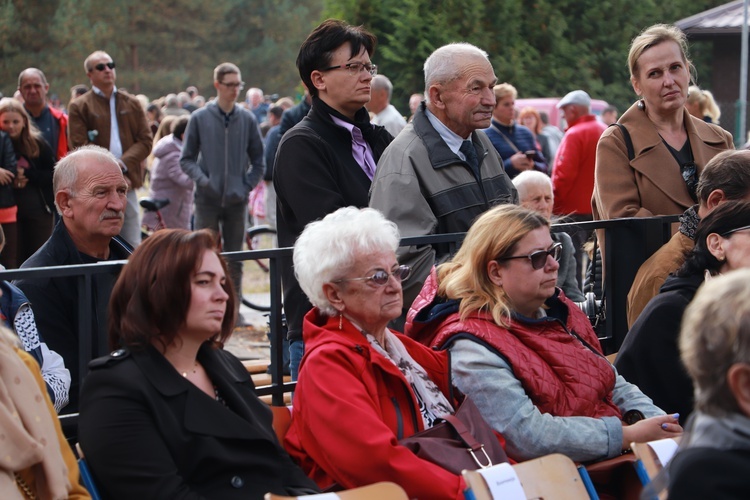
(166, 145)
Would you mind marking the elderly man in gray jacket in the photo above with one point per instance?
(442, 171)
(223, 154)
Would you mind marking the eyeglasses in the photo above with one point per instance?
(233, 85)
(381, 276)
(732, 231)
(539, 258)
(101, 66)
(689, 173)
(355, 67)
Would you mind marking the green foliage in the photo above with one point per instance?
(160, 46)
(542, 47)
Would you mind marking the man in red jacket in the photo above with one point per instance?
(53, 123)
(573, 174)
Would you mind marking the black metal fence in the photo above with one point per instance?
(628, 243)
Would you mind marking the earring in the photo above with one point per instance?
(341, 321)
(641, 104)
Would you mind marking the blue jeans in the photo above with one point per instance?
(296, 350)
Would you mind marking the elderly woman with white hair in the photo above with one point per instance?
(714, 455)
(362, 387)
(535, 193)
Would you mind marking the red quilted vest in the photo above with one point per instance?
(561, 375)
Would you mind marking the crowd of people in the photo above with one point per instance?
(385, 341)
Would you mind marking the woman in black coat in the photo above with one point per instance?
(649, 357)
(173, 415)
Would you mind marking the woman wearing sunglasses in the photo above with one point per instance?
(361, 386)
(649, 356)
(523, 352)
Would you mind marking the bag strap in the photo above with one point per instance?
(507, 139)
(472, 445)
(627, 139)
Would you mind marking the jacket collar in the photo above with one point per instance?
(645, 136)
(438, 151)
(63, 251)
(650, 152)
(199, 414)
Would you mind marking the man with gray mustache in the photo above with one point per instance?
(90, 196)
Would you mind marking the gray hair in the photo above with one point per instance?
(715, 335)
(529, 178)
(66, 171)
(380, 82)
(328, 248)
(446, 63)
(94, 55)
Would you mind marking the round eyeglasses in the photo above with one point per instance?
(539, 258)
(381, 276)
(355, 67)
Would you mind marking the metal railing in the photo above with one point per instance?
(628, 243)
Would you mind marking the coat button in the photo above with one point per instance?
(237, 482)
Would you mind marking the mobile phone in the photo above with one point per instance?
(531, 154)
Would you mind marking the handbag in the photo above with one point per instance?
(460, 441)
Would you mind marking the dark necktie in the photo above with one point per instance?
(467, 148)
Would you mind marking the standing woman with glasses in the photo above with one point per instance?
(363, 387)
(328, 160)
(524, 353)
(649, 356)
(649, 164)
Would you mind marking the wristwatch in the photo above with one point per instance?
(632, 416)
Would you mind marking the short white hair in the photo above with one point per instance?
(329, 248)
(529, 178)
(446, 63)
(380, 82)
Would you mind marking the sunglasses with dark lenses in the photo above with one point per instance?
(689, 173)
(101, 66)
(381, 276)
(539, 258)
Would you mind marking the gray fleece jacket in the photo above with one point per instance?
(223, 157)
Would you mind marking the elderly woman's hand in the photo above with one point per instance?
(651, 429)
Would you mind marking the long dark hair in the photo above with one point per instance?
(725, 218)
(151, 298)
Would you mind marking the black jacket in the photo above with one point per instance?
(147, 432)
(55, 302)
(650, 357)
(315, 174)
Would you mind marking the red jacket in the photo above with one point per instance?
(573, 174)
(352, 405)
(62, 140)
(560, 365)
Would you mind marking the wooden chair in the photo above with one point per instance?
(377, 491)
(551, 476)
(282, 419)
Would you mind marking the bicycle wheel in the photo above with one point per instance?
(256, 281)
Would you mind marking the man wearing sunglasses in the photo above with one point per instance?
(114, 120)
(223, 154)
